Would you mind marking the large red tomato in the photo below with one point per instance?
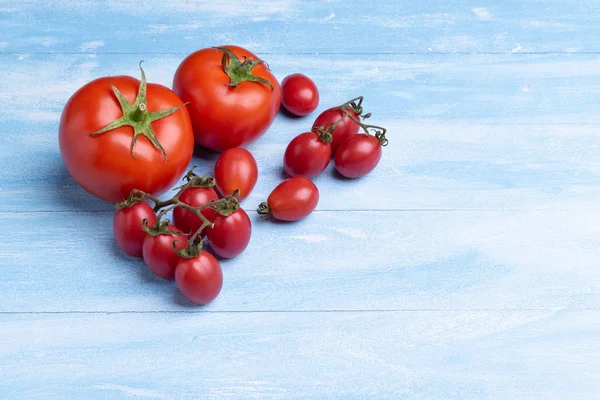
(113, 141)
(233, 96)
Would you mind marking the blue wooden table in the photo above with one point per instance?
(467, 266)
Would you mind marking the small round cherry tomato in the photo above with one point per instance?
(344, 128)
(231, 234)
(188, 221)
(200, 278)
(292, 200)
(358, 155)
(236, 169)
(300, 95)
(127, 227)
(307, 155)
(159, 254)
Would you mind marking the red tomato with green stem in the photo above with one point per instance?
(127, 227)
(195, 197)
(200, 278)
(233, 96)
(359, 155)
(308, 154)
(230, 234)
(300, 95)
(343, 119)
(160, 254)
(291, 200)
(236, 169)
(117, 134)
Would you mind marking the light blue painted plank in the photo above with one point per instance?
(453, 144)
(288, 26)
(426, 166)
(484, 88)
(329, 261)
(459, 355)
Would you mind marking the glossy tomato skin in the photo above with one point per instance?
(231, 234)
(188, 221)
(306, 155)
(159, 254)
(199, 279)
(293, 199)
(224, 117)
(343, 130)
(300, 95)
(236, 169)
(358, 156)
(127, 227)
(102, 165)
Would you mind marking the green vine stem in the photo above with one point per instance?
(356, 106)
(326, 135)
(225, 206)
(378, 131)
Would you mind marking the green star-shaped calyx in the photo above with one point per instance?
(137, 116)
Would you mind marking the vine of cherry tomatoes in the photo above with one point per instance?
(223, 98)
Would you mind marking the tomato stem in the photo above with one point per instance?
(326, 135)
(139, 113)
(239, 71)
(225, 206)
(263, 208)
(378, 131)
(137, 116)
(355, 105)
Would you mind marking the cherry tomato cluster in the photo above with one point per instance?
(335, 133)
(175, 251)
(222, 98)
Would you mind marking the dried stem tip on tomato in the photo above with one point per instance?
(378, 131)
(239, 71)
(137, 116)
(225, 206)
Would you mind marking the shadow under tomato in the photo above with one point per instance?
(146, 276)
(205, 154)
(70, 194)
(284, 175)
(287, 114)
(336, 175)
(180, 300)
(269, 219)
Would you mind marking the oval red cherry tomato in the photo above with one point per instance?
(104, 165)
(343, 130)
(306, 155)
(231, 234)
(159, 254)
(300, 95)
(358, 156)
(236, 169)
(292, 200)
(226, 116)
(200, 278)
(127, 227)
(188, 221)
